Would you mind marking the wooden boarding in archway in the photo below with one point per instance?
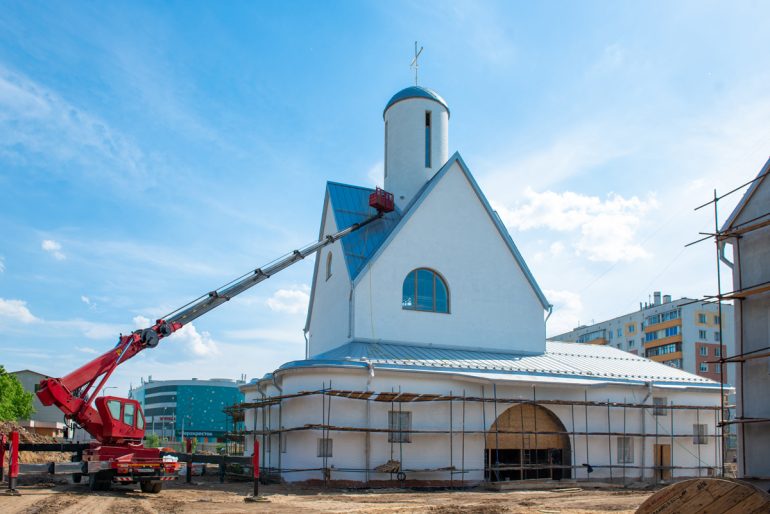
(541, 429)
(527, 441)
(707, 496)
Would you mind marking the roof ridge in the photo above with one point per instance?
(334, 183)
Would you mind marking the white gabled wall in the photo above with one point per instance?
(492, 304)
(752, 332)
(330, 317)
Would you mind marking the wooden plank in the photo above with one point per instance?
(748, 291)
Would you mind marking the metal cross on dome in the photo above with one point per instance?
(414, 63)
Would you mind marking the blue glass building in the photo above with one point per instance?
(188, 408)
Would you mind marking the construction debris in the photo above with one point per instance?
(25, 436)
(392, 466)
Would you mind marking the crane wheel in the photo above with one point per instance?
(152, 487)
(101, 481)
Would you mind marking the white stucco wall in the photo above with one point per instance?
(330, 318)
(430, 451)
(405, 170)
(492, 304)
(752, 331)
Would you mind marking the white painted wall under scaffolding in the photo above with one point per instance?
(457, 442)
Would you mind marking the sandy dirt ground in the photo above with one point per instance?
(207, 495)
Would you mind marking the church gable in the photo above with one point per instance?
(453, 241)
(753, 205)
(328, 319)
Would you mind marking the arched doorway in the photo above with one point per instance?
(527, 442)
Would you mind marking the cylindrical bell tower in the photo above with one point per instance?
(416, 141)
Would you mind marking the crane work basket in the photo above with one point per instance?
(381, 200)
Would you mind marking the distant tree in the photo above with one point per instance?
(152, 441)
(15, 402)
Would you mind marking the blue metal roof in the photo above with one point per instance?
(565, 361)
(351, 205)
(416, 92)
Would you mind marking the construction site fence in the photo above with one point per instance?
(229, 465)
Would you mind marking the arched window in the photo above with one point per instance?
(328, 266)
(425, 290)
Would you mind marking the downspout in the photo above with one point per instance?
(367, 436)
(280, 425)
(262, 393)
(644, 432)
(275, 383)
(550, 311)
(722, 256)
(350, 313)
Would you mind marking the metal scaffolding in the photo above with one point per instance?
(738, 294)
(456, 436)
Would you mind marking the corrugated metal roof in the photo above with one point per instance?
(351, 205)
(578, 361)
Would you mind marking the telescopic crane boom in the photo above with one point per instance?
(73, 393)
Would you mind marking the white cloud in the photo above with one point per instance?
(556, 248)
(86, 300)
(38, 125)
(91, 330)
(16, 310)
(270, 335)
(602, 230)
(199, 344)
(577, 151)
(86, 349)
(2, 264)
(141, 322)
(291, 301)
(567, 308)
(54, 248)
(376, 174)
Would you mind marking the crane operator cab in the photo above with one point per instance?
(122, 418)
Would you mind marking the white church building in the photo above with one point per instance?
(426, 356)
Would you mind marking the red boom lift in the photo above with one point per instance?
(117, 424)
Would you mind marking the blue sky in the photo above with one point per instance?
(151, 152)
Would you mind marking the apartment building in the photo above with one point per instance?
(684, 333)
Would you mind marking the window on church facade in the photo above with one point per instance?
(385, 165)
(325, 447)
(425, 290)
(399, 426)
(427, 139)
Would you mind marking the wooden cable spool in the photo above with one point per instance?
(707, 496)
